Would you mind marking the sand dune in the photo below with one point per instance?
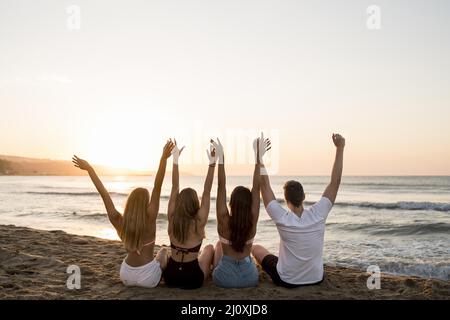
(33, 266)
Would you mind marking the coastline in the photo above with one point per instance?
(33, 265)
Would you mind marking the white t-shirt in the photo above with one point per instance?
(301, 241)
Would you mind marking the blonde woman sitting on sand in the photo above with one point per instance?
(187, 268)
(137, 227)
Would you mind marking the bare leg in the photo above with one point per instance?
(259, 252)
(205, 259)
(161, 257)
(218, 253)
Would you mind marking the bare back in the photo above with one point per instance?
(194, 239)
(146, 254)
(225, 233)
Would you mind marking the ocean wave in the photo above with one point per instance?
(401, 205)
(377, 185)
(94, 216)
(396, 230)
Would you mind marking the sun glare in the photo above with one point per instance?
(125, 141)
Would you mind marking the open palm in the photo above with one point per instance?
(260, 147)
(80, 163)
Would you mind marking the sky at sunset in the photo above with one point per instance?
(138, 72)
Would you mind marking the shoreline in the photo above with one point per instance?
(33, 265)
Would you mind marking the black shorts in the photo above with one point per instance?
(186, 275)
(269, 265)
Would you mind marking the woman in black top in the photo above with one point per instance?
(187, 217)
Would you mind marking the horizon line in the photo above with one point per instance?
(149, 172)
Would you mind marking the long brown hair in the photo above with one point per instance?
(135, 219)
(241, 217)
(186, 209)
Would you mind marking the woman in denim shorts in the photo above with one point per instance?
(233, 265)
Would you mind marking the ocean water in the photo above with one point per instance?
(401, 224)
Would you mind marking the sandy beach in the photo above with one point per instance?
(33, 265)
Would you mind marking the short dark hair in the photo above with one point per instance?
(293, 192)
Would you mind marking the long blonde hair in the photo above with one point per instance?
(135, 219)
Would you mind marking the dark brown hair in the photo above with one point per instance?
(241, 217)
(293, 193)
(186, 209)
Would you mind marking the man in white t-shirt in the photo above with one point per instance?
(301, 229)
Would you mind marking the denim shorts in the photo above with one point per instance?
(231, 273)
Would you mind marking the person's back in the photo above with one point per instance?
(233, 265)
(137, 226)
(186, 227)
(137, 230)
(228, 246)
(186, 267)
(194, 239)
(186, 233)
(301, 241)
(301, 230)
(237, 228)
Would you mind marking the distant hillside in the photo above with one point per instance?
(12, 165)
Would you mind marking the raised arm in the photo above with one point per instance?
(260, 146)
(266, 189)
(156, 193)
(221, 201)
(206, 196)
(336, 175)
(175, 183)
(256, 183)
(114, 216)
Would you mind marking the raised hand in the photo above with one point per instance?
(80, 163)
(168, 147)
(260, 146)
(219, 150)
(338, 166)
(212, 154)
(338, 140)
(176, 152)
